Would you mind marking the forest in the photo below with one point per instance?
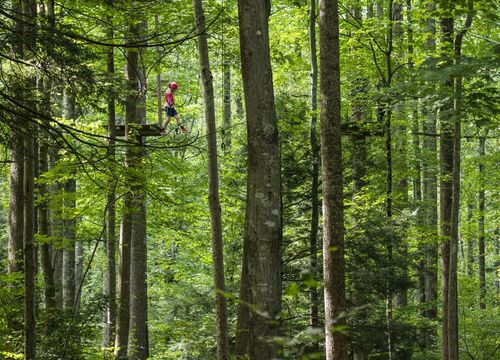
(250, 179)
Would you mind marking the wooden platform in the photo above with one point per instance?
(145, 130)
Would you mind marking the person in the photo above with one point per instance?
(169, 107)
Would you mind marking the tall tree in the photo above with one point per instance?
(315, 158)
(429, 173)
(213, 184)
(261, 268)
(481, 244)
(138, 342)
(69, 280)
(29, 11)
(331, 158)
(453, 346)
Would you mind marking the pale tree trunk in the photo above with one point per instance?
(417, 174)
(482, 269)
(315, 158)
(56, 228)
(109, 289)
(470, 237)
(16, 205)
(15, 244)
(138, 347)
(331, 159)
(263, 211)
(69, 281)
(213, 184)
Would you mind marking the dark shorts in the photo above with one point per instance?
(170, 111)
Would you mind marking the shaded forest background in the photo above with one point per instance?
(418, 120)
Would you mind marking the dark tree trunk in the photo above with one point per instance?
(315, 160)
(446, 185)
(30, 263)
(213, 182)
(263, 211)
(331, 158)
(482, 269)
(226, 95)
(430, 197)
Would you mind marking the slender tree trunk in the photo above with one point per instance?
(453, 346)
(331, 157)
(482, 271)
(227, 114)
(315, 158)
(109, 290)
(16, 204)
(430, 196)
(470, 242)
(263, 212)
(15, 246)
(446, 190)
(30, 265)
(29, 251)
(69, 280)
(389, 190)
(213, 184)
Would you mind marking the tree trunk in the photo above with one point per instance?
(331, 158)
(213, 183)
(138, 346)
(109, 289)
(69, 280)
(430, 197)
(263, 212)
(315, 158)
(482, 271)
(130, 202)
(15, 246)
(30, 265)
(446, 190)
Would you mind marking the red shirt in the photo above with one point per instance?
(169, 98)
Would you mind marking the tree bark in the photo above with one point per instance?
(315, 159)
(109, 289)
(130, 201)
(69, 280)
(331, 158)
(263, 230)
(213, 183)
(430, 195)
(446, 190)
(482, 268)
(138, 346)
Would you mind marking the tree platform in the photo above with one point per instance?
(144, 130)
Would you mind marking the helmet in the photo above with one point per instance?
(173, 85)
